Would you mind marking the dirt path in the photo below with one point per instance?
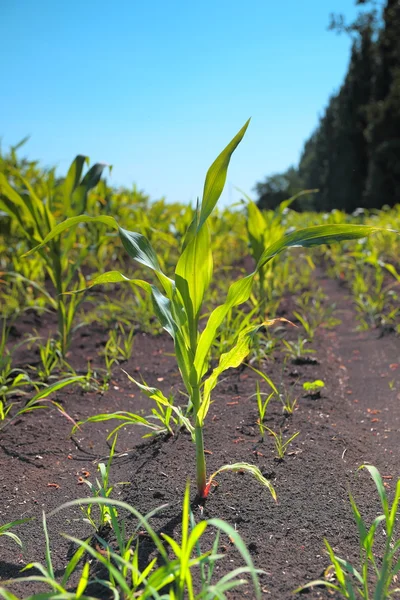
(356, 420)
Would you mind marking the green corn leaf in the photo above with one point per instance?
(158, 396)
(316, 582)
(7, 526)
(72, 179)
(266, 378)
(73, 563)
(84, 580)
(193, 275)
(80, 193)
(216, 177)
(256, 227)
(162, 305)
(238, 293)
(72, 222)
(230, 359)
(17, 207)
(139, 248)
(252, 469)
(241, 547)
(316, 236)
(376, 476)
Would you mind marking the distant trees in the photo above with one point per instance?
(353, 156)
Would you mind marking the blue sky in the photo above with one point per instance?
(158, 87)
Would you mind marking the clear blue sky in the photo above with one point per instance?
(158, 87)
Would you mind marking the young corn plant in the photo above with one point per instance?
(47, 576)
(281, 445)
(262, 405)
(5, 530)
(36, 217)
(376, 578)
(183, 568)
(263, 229)
(178, 301)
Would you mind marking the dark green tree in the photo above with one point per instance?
(353, 156)
(278, 187)
(383, 128)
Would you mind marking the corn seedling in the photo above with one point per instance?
(173, 579)
(119, 345)
(59, 589)
(308, 327)
(40, 400)
(296, 350)
(281, 445)
(102, 489)
(376, 577)
(50, 359)
(5, 530)
(179, 305)
(289, 402)
(262, 406)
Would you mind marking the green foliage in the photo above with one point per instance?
(377, 576)
(352, 156)
(167, 577)
(37, 215)
(179, 302)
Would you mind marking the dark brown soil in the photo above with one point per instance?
(356, 420)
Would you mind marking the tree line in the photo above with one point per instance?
(353, 156)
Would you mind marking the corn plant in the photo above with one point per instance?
(38, 401)
(262, 405)
(59, 589)
(263, 229)
(5, 530)
(173, 578)
(377, 576)
(281, 445)
(179, 303)
(36, 217)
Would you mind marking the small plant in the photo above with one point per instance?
(377, 576)
(297, 351)
(171, 579)
(262, 406)
(289, 402)
(314, 388)
(60, 589)
(119, 345)
(50, 359)
(309, 327)
(5, 530)
(12, 379)
(102, 489)
(281, 445)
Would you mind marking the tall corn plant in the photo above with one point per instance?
(36, 217)
(178, 302)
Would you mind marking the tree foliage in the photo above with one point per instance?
(353, 156)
